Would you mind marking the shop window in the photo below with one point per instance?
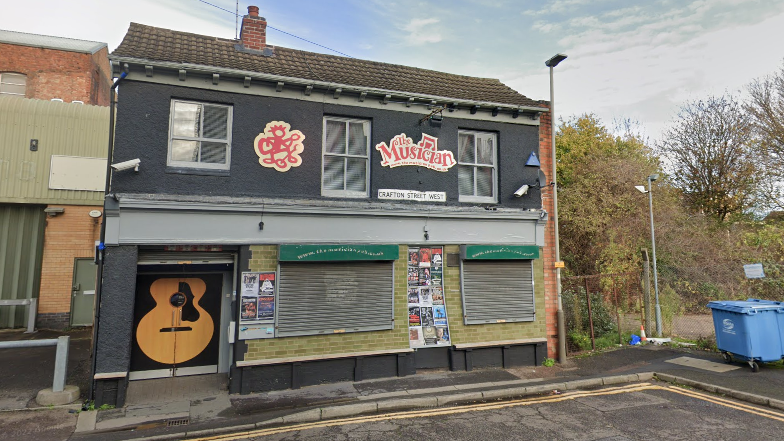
(497, 291)
(12, 84)
(335, 297)
(477, 165)
(346, 162)
(199, 135)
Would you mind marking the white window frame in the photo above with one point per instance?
(345, 193)
(5, 80)
(200, 165)
(473, 198)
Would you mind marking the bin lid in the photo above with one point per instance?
(745, 306)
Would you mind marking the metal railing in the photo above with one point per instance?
(32, 308)
(61, 358)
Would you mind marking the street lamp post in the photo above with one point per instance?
(652, 178)
(551, 63)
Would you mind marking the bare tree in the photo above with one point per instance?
(766, 106)
(707, 148)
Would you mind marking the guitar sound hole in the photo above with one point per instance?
(177, 299)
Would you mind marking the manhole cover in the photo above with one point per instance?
(179, 422)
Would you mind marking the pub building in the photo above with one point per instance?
(294, 218)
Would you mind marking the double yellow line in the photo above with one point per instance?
(499, 405)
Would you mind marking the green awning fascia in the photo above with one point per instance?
(499, 252)
(337, 253)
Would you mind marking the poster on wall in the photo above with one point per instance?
(258, 297)
(427, 319)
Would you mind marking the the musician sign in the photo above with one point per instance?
(402, 151)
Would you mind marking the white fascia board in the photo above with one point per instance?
(198, 68)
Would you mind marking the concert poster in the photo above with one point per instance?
(415, 335)
(442, 335)
(413, 316)
(413, 257)
(413, 296)
(258, 296)
(249, 308)
(427, 317)
(437, 295)
(424, 257)
(424, 277)
(429, 335)
(436, 274)
(267, 283)
(413, 276)
(250, 284)
(266, 307)
(425, 298)
(439, 315)
(436, 258)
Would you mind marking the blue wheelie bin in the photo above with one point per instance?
(749, 331)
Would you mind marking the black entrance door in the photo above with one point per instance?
(176, 324)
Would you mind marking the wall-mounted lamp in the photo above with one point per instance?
(54, 211)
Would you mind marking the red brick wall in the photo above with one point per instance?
(68, 235)
(51, 73)
(551, 292)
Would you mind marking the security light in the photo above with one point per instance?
(641, 188)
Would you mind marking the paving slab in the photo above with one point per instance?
(49, 425)
(703, 364)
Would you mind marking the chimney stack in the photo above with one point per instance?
(254, 30)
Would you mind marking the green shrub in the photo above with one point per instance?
(576, 313)
(580, 340)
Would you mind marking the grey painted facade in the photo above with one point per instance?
(143, 128)
(161, 206)
(115, 323)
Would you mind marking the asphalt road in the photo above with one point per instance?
(632, 412)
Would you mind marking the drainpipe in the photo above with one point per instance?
(101, 246)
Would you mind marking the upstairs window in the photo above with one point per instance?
(346, 158)
(12, 84)
(476, 172)
(200, 135)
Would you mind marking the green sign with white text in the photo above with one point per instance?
(499, 252)
(336, 253)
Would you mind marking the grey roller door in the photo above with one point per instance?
(498, 291)
(327, 298)
(192, 258)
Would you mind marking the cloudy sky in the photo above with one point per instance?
(627, 58)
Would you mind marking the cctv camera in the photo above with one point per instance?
(127, 165)
(522, 190)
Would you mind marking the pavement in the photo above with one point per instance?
(189, 407)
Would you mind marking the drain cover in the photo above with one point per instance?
(178, 422)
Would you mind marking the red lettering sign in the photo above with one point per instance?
(402, 151)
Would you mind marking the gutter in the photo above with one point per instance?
(209, 70)
(101, 247)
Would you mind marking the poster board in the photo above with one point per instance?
(257, 305)
(427, 318)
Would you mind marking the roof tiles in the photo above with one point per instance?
(165, 45)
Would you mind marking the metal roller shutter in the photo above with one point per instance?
(498, 291)
(173, 258)
(327, 298)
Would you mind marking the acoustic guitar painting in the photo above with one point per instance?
(178, 328)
